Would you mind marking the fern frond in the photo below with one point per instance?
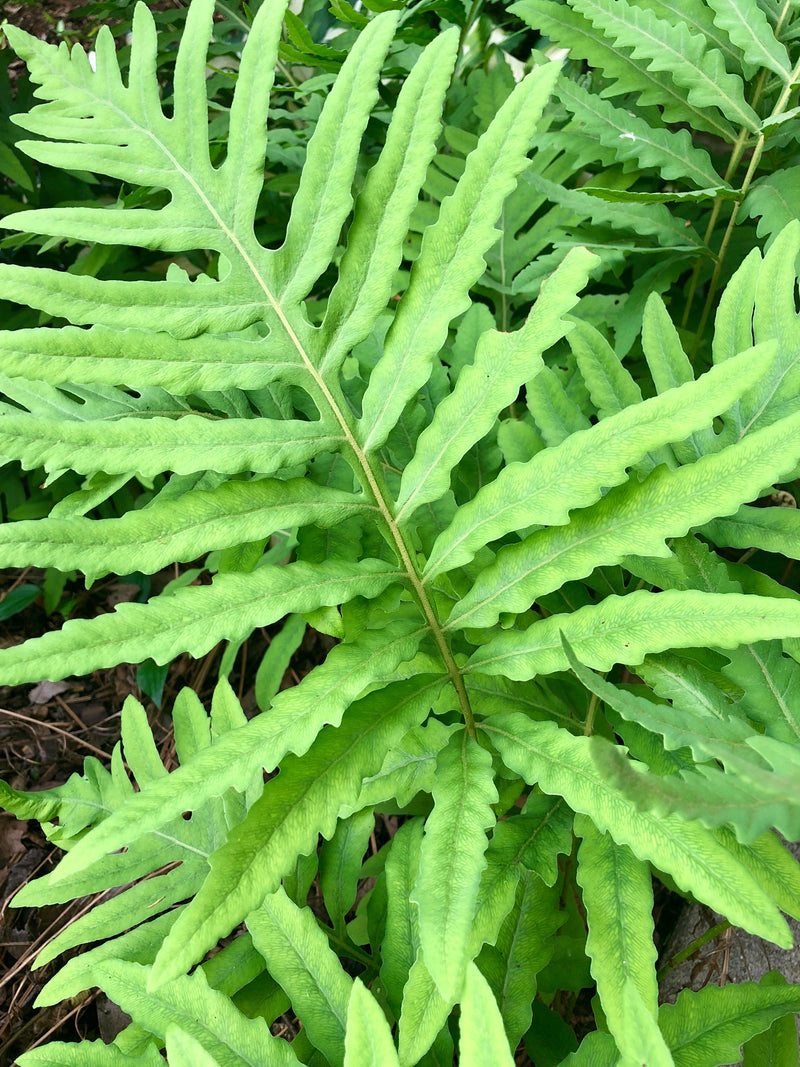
(452, 859)
(301, 960)
(199, 521)
(296, 717)
(759, 302)
(655, 219)
(587, 461)
(617, 894)
(631, 519)
(699, 17)
(632, 138)
(763, 667)
(561, 763)
(723, 1017)
(561, 22)
(625, 629)
(672, 48)
(91, 1054)
(519, 952)
(204, 1013)
(760, 794)
(502, 365)
(194, 619)
(461, 504)
(423, 1018)
(451, 257)
(380, 222)
(481, 1024)
(368, 1039)
(400, 941)
(149, 446)
(182, 366)
(301, 803)
(750, 31)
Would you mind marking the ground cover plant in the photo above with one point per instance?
(365, 414)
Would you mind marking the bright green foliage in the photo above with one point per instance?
(397, 411)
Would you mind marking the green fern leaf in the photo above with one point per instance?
(323, 201)
(481, 1026)
(769, 681)
(149, 446)
(770, 529)
(650, 218)
(340, 859)
(184, 1051)
(561, 22)
(702, 1028)
(423, 1016)
(400, 940)
(200, 521)
(671, 47)
(631, 519)
(698, 16)
(301, 960)
(523, 947)
(138, 945)
(597, 1049)
(452, 859)
(572, 475)
(380, 223)
(759, 303)
(771, 200)
(181, 366)
(762, 793)
(368, 1040)
(294, 721)
(750, 31)
(452, 255)
(187, 842)
(645, 622)
(642, 1035)
(205, 1014)
(632, 138)
(302, 802)
(617, 894)
(409, 767)
(503, 363)
(563, 764)
(192, 619)
(87, 1054)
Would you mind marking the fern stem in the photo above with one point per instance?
(471, 16)
(748, 178)
(690, 949)
(369, 477)
(345, 947)
(420, 592)
(588, 727)
(733, 163)
(371, 481)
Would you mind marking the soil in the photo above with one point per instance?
(57, 20)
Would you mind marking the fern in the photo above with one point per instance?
(480, 528)
(725, 69)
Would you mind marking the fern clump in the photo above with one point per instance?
(480, 531)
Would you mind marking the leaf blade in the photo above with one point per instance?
(451, 258)
(452, 860)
